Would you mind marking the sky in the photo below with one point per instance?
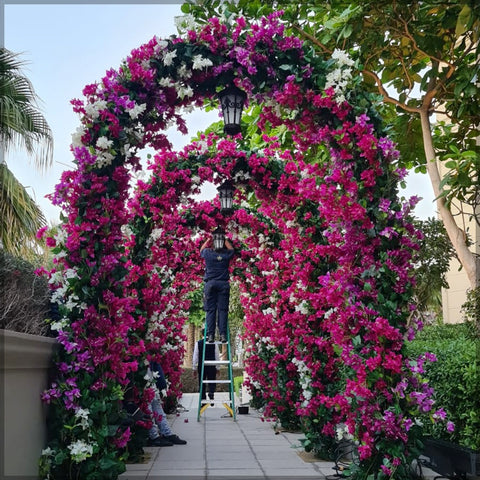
(67, 46)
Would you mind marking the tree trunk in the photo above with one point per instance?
(457, 235)
(187, 362)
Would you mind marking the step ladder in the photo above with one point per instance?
(228, 363)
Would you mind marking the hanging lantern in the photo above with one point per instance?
(232, 100)
(218, 238)
(225, 191)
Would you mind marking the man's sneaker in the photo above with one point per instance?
(223, 338)
(160, 442)
(211, 339)
(176, 440)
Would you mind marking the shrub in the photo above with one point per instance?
(455, 378)
(237, 384)
(24, 296)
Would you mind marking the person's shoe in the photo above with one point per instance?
(160, 442)
(223, 338)
(176, 440)
(211, 339)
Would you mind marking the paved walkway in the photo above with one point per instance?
(219, 448)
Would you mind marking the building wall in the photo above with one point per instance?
(455, 296)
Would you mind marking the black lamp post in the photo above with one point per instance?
(225, 191)
(218, 238)
(232, 100)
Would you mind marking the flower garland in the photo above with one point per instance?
(324, 260)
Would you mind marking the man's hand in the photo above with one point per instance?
(206, 243)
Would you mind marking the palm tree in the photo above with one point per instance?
(21, 125)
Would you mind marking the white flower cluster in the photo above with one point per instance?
(267, 341)
(269, 311)
(166, 82)
(60, 239)
(60, 325)
(304, 378)
(202, 147)
(77, 136)
(136, 133)
(183, 72)
(136, 110)
(340, 77)
(184, 23)
(80, 450)
(155, 234)
(184, 91)
(93, 110)
(81, 414)
(161, 45)
(104, 157)
(126, 230)
(200, 62)
(167, 347)
(241, 176)
(61, 278)
(342, 433)
(151, 378)
(302, 307)
(59, 295)
(61, 236)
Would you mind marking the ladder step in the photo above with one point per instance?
(216, 381)
(216, 362)
(216, 402)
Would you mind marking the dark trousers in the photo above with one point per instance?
(209, 373)
(216, 299)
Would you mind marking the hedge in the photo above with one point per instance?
(455, 377)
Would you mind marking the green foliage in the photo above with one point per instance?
(235, 313)
(21, 126)
(196, 314)
(21, 123)
(433, 262)
(454, 377)
(20, 217)
(471, 311)
(237, 384)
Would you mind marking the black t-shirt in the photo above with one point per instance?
(216, 263)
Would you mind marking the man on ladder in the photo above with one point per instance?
(216, 302)
(217, 286)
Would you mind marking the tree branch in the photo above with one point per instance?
(311, 38)
(386, 97)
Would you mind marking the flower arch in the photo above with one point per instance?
(324, 257)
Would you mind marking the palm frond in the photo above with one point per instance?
(20, 216)
(21, 122)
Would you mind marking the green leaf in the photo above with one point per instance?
(107, 463)
(451, 164)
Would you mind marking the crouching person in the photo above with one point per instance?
(160, 435)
